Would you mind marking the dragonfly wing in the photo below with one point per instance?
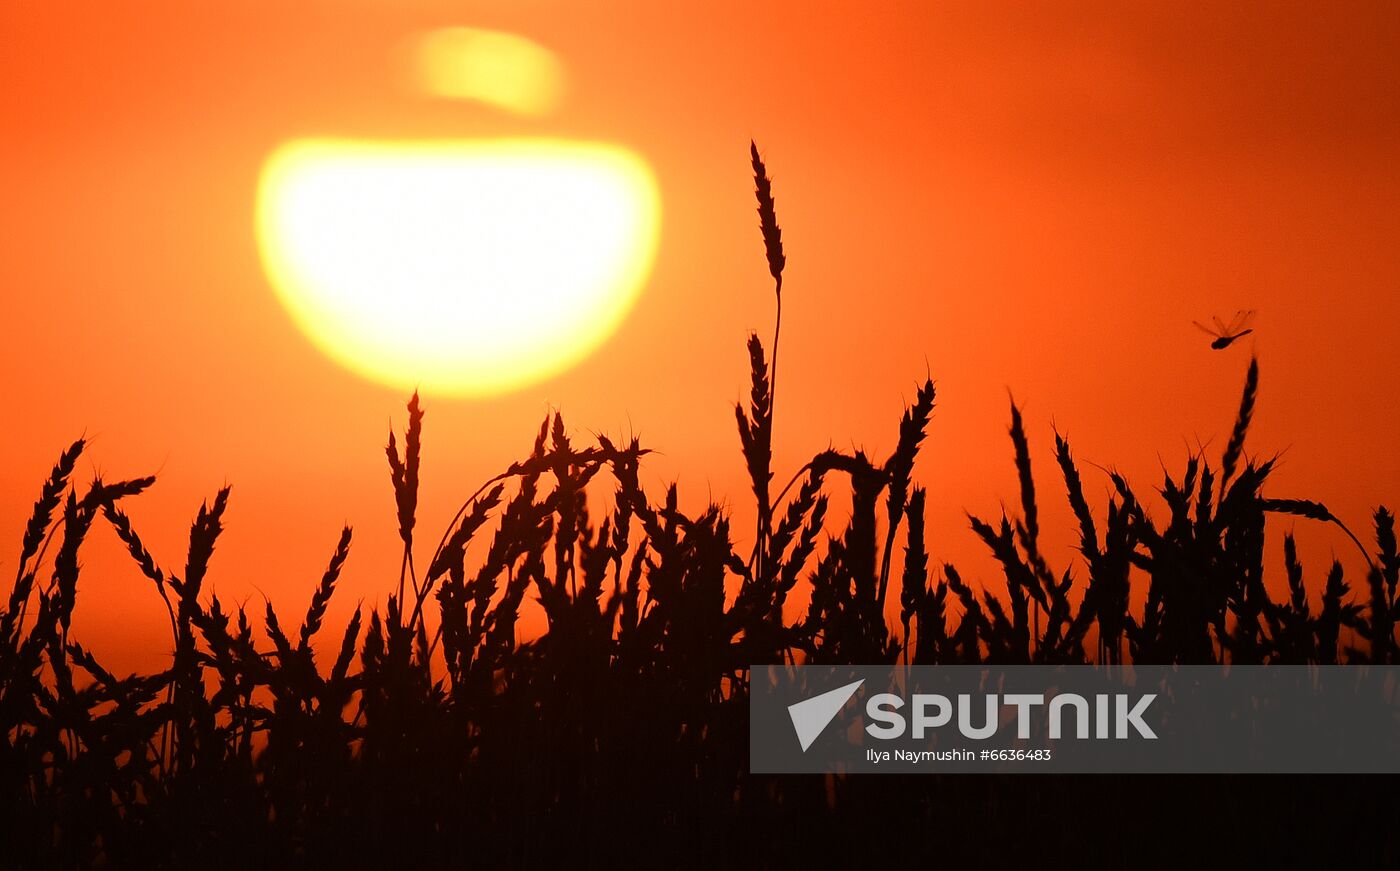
(1205, 329)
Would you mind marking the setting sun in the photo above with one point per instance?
(460, 267)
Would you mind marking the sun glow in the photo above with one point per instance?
(462, 267)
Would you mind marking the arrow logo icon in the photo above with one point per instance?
(811, 717)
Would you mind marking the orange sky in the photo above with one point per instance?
(1038, 196)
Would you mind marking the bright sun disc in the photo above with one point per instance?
(461, 267)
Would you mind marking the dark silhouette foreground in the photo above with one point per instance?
(425, 734)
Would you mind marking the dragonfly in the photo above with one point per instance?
(1226, 334)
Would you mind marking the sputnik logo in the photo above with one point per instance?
(811, 717)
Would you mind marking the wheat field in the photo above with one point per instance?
(427, 733)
